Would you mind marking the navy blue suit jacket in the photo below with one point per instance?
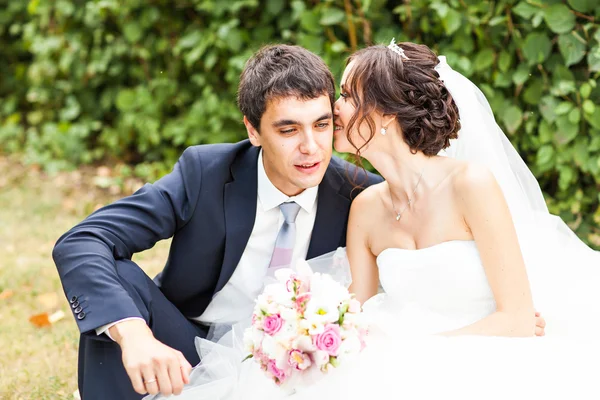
(208, 205)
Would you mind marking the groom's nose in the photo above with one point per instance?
(308, 144)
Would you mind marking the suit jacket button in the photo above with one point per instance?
(73, 299)
(81, 315)
(78, 310)
(75, 305)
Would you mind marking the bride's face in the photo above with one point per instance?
(344, 109)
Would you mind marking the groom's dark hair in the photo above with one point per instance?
(280, 70)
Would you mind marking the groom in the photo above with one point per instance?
(233, 210)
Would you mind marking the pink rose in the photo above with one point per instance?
(277, 373)
(299, 360)
(354, 306)
(272, 324)
(329, 341)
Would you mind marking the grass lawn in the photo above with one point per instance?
(35, 209)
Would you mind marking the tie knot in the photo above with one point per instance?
(290, 211)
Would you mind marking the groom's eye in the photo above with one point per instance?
(287, 131)
(323, 125)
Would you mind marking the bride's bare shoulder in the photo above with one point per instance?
(472, 179)
(368, 199)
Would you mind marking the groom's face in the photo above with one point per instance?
(296, 137)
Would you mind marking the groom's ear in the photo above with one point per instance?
(253, 134)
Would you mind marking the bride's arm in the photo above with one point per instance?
(363, 267)
(487, 215)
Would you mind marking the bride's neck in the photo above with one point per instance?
(399, 167)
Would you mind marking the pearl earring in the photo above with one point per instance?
(383, 130)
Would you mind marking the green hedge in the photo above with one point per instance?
(139, 80)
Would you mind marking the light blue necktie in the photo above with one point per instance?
(284, 245)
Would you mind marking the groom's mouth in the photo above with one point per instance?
(308, 168)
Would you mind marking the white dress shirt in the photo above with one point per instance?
(246, 283)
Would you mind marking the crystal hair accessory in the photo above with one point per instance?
(397, 49)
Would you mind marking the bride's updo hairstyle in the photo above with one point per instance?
(407, 87)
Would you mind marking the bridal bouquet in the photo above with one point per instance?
(304, 322)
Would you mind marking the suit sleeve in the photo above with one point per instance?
(85, 256)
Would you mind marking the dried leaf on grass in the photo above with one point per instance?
(44, 319)
(6, 294)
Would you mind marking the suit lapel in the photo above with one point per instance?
(240, 212)
(331, 218)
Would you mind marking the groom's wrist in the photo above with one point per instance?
(129, 329)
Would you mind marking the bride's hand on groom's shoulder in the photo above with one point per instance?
(540, 324)
(152, 366)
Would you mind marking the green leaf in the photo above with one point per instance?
(559, 18)
(504, 61)
(332, 16)
(571, 48)
(126, 100)
(452, 21)
(583, 5)
(566, 130)
(274, 7)
(544, 155)
(71, 110)
(589, 107)
(564, 108)
(338, 47)
(585, 90)
(547, 107)
(565, 177)
(310, 21)
(575, 115)
(534, 91)
(536, 48)
(593, 59)
(484, 59)
(133, 32)
(521, 74)
(525, 10)
(512, 118)
(545, 132)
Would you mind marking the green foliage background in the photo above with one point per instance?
(139, 80)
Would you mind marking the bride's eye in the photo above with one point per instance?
(344, 95)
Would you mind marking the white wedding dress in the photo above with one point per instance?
(442, 288)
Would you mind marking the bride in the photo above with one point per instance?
(460, 239)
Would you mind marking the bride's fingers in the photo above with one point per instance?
(186, 368)
(539, 331)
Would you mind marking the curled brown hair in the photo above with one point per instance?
(410, 89)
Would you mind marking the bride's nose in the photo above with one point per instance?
(336, 107)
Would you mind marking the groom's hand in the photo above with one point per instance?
(152, 366)
(540, 324)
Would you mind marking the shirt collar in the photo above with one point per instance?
(270, 197)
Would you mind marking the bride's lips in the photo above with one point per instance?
(308, 167)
